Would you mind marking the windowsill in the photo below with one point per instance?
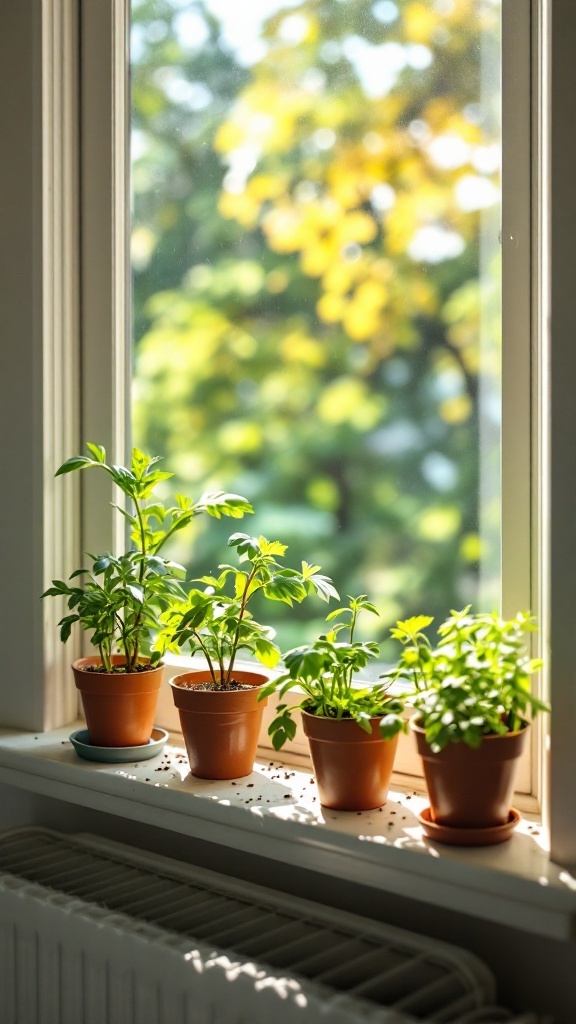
(275, 813)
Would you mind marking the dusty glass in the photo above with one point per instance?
(317, 284)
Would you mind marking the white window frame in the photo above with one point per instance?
(53, 227)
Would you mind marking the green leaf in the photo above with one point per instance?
(337, 611)
(244, 544)
(286, 589)
(271, 547)
(77, 462)
(240, 583)
(323, 585)
(57, 591)
(156, 510)
(390, 725)
(97, 451)
(362, 718)
(131, 518)
(66, 626)
(222, 503)
(282, 728)
(268, 653)
(102, 563)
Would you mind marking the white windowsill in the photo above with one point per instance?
(275, 813)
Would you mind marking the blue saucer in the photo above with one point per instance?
(80, 740)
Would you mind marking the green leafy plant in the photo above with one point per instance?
(217, 622)
(120, 598)
(475, 683)
(325, 671)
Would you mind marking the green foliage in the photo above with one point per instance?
(217, 622)
(325, 671)
(121, 598)
(475, 683)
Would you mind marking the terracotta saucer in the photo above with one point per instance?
(469, 836)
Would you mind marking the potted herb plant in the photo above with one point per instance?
(472, 700)
(352, 727)
(219, 709)
(119, 600)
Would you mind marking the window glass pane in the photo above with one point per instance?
(316, 284)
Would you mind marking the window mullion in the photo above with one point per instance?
(61, 357)
(516, 307)
(105, 292)
(560, 360)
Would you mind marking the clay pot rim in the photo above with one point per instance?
(488, 736)
(339, 721)
(173, 682)
(79, 665)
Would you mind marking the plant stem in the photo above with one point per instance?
(134, 657)
(124, 641)
(353, 624)
(177, 526)
(102, 658)
(236, 636)
(207, 656)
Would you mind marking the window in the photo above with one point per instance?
(39, 298)
(316, 285)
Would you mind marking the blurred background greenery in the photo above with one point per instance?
(316, 285)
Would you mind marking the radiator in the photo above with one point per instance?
(93, 932)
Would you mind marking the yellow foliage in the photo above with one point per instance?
(239, 436)
(347, 185)
(420, 21)
(348, 401)
(456, 124)
(229, 136)
(423, 296)
(266, 186)
(437, 113)
(340, 276)
(340, 400)
(330, 307)
(317, 258)
(355, 227)
(242, 344)
(371, 294)
(323, 493)
(439, 523)
(471, 547)
(240, 207)
(297, 347)
(286, 229)
(360, 322)
(464, 337)
(290, 227)
(456, 409)
(401, 225)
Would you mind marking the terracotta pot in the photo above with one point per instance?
(353, 768)
(471, 788)
(220, 728)
(119, 707)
